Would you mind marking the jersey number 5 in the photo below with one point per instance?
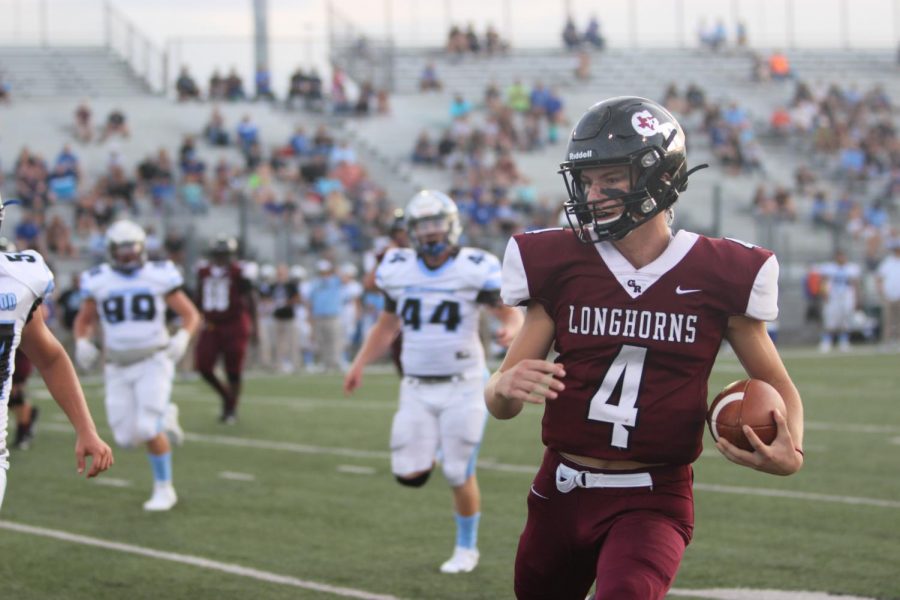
(628, 368)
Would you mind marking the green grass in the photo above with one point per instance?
(303, 517)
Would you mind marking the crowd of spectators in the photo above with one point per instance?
(591, 38)
(468, 43)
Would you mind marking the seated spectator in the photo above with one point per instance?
(820, 211)
(740, 34)
(785, 209)
(518, 97)
(234, 86)
(457, 44)
(424, 152)
(299, 142)
(570, 37)
(59, 238)
(298, 87)
(459, 107)
(583, 68)
(341, 152)
(553, 107)
(83, 128)
(216, 86)
(382, 102)
(263, 82)
(493, 43)
(363, 101)
(429, 80)
(186, 87)
(4, 91)
(62, 183)
(473, 44)
(215, 132)
(779, 66)
(115, 125)
(592, 34)
(28, 232)
(780, 122)
(223, 183)
(247, 133)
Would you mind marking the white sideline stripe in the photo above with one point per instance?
(356, 470)
(112, 482)
(746, 594)
(770, 493)
(234, 476)
(196, 561)
(503, 467)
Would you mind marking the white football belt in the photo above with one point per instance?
(567, 479)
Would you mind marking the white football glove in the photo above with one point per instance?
(85, 353)
(178, 344)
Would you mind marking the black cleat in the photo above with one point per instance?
(24, 434)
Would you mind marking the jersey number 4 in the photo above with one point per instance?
(628, 368)
(446, 312)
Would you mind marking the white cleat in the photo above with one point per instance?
(163, 498)
(173, 429)
(463, 560)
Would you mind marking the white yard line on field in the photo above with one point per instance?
(489, 465)
(745, 594)
(112, 482)
(195, 561)
(233, 476)
(355, 470)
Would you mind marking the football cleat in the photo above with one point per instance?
(463, 560)
(163, 498)
(24, 435)
(172, 427)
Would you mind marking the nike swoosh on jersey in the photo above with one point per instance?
(681, 292)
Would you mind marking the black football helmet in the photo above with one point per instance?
(625, 131)
(223, 248)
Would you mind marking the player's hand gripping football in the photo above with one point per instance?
(532, 380)
(778, 458)
(90, 444)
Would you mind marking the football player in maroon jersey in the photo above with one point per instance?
(637, 316)
(225, 297)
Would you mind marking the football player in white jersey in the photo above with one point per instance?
(432, 293)
(24, 282)
(129, 296)
(841, 294)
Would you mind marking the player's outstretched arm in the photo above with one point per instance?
(377, 342)
(511, 319)
(526, 375)
(758, 355)
(48, 355)
(179, 302)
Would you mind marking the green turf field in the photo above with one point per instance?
(323, 518)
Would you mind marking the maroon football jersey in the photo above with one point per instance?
(221, 293)
(637, 344)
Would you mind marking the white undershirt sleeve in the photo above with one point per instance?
(763, 302)
(514, 284)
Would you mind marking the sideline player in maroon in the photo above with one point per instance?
(225, 297)
(637, 315)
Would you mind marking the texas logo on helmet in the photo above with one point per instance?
(645, 123)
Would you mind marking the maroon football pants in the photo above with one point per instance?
(215, 341)
(630, 540)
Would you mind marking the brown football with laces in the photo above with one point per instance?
(745, 402)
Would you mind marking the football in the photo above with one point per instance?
(745, 402)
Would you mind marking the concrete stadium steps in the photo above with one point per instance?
(63, 71)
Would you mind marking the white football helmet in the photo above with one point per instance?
(126, 243)
(267, 273)
(432, 221)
